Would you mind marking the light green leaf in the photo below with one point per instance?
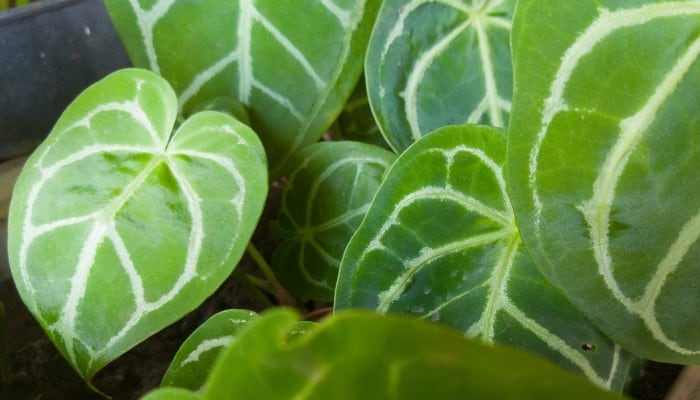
(171, 394)
(439, 242)
(327, 194)
(358, 355)
(603, 157)
(292, 63)
(117, 227)
(432, 63)
(194, 359)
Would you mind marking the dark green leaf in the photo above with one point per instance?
(292, 63)
(326, 196)
(436, 63)
(440, 243)
(603, 158)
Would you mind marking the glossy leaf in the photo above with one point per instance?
(118, 227)
(327, 194)
(368, 356)
(194, 359)
(292, 63)
(440, 243)
(435, 63)
(602, 163)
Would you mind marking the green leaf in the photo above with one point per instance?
(117, 227)
(327, 194)
(603, 157)
(171, 394)
(356, 121)
(436, 63)
(292, 63)
(196, 356)
(439, 242)
(357, 355)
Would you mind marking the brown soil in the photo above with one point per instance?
(654, 381)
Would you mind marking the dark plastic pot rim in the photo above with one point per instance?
(16, 15)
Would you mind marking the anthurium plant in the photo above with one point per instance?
(539, 193)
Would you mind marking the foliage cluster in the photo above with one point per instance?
(529, 182)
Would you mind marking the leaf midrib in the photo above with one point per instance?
(386, 298)
(498, 288)
(113, 207)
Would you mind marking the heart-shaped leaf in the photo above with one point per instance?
(603, 158)
(118, 228)
(360, 355)
(292, 63)
(439, 242)
(327, 195)
(436, 63)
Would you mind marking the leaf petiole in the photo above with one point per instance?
(280, 293)
(255, 285)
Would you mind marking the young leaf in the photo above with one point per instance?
(602, 163)
(439, 242)
(195, 358)
(292, 63)
(327, 194)
(436, 63)
(359, 355)
(117, 227)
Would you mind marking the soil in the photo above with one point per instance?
(41, 373)
(654, 381)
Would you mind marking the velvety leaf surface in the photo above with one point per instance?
(360, 355)
(118, 228)
(292, 63)
(603, 158)
(432, 63)
(326, 196)
(439, 242)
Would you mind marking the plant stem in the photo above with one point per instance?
(318, 314)
(280, 293)
(257, 282)
(261, 263)
(254, 284)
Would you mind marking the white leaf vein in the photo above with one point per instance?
(596, 211)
